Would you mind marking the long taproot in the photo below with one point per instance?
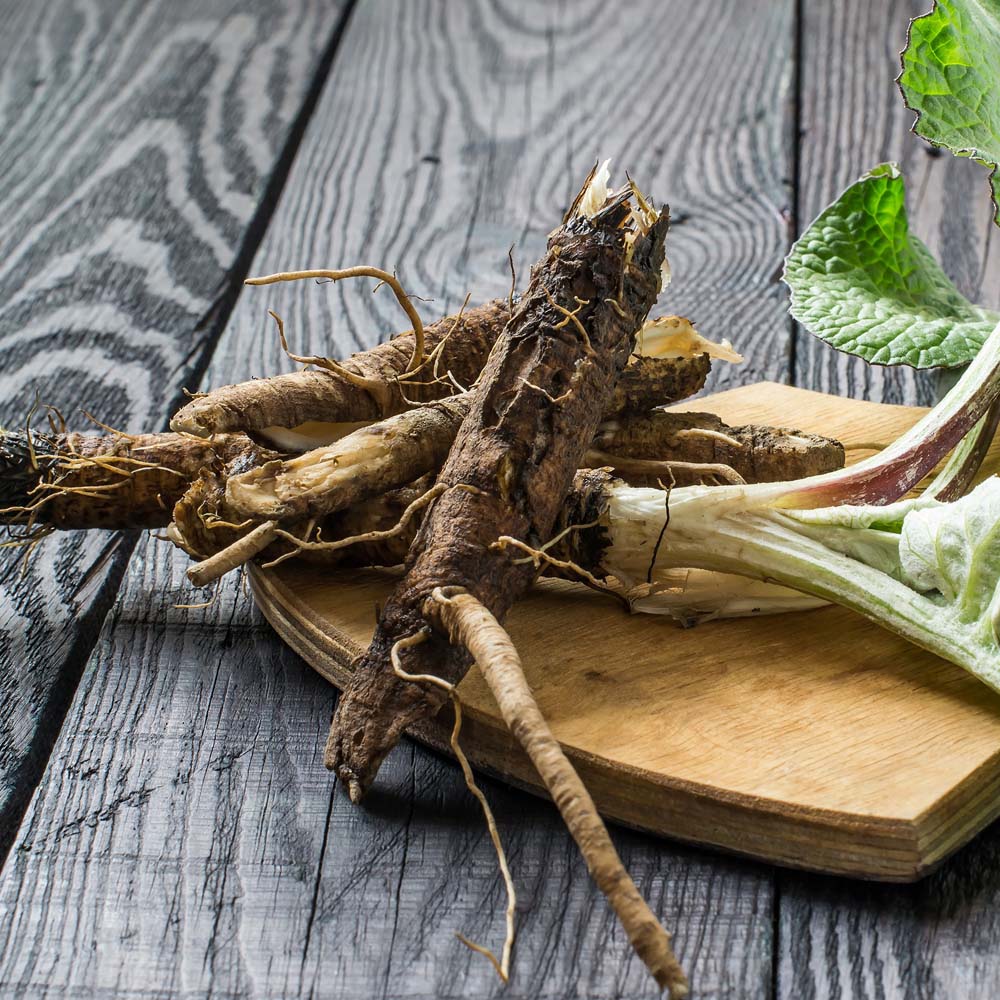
(535, 410)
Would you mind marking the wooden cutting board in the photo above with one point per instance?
(814, 740)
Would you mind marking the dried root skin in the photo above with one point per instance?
(520, 450)
(104, 480)
(649, 382)
(757, 454)
(471, 626)
(366, 463)
(299, 397)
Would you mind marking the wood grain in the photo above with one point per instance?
(446, 133)
(488, 115)
(140, 142)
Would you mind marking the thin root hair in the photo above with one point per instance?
(369, 385)
(538, 556)
(361, 271)
(502, 966)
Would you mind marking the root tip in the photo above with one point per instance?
(673, 981)
(352, 783)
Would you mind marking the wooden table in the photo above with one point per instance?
(168, 826)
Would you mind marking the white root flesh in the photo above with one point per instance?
(676, 337)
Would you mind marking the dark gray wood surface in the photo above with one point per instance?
(142, 146)
(184, 839)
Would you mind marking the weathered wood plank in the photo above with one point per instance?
(475, 134)
(938, 938)
(139, 143)
(202, 846)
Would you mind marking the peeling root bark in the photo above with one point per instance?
(471, 625)
(462, 343)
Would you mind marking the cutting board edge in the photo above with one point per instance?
(907, 849)
(871, 845)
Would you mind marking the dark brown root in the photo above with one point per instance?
(520, 451)
(115, 480)
(541, 558)
(199, 525)
(649, 382)
(379, 532)
(386, 455)
(757, 454)
(462, 344)
(404, 529)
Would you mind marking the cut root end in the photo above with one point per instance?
(218, 565)
(470, 624)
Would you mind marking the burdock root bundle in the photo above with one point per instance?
(478, 452)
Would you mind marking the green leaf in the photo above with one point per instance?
(954, 549)
(951, 66)
(863, 283)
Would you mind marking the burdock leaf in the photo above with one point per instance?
(954, 549)
(863, 283)
(951, 66)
